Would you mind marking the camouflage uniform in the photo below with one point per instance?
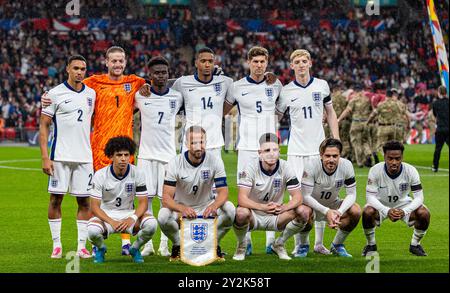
(402, 123)
(339, 104)
(361, 108)
(391, 116)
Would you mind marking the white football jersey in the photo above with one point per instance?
(393, 191)
(306, 106)
(118, 193)
(158, 115)
(326, 186)
(256, 106)
(203, 105)
(71, 112)
(194, 183)
(266, 187)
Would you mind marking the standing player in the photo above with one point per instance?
(114, 108)
(261, 192)
(157, 146)
(114, 189)
(70, 162)
(204, 95)
(306, 98)
(440, 112)
(322, 180)
(255, 100)
(188, 190)
(387, 195)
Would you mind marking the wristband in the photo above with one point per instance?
(134, 217)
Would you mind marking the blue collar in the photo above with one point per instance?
(125, 175)
(72, 89)
(196, 78)
(395, 175)
(268, 173)
(158, 93)
(251, 80)
(191, 163)
(309, 83)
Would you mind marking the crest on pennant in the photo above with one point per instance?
(127, 87)
(199, 232)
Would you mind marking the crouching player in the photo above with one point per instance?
(261, 191)
(114, 189)
(321, 182)
(387, 195)
(188, 191)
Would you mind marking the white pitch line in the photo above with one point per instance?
(429, 168)
(19, 168)
(18, 161)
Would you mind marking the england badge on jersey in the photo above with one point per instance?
(277, 184)
(205, 174)
(269, 93)
(127, 87)
(317, 98)
(403, 187)
(339, 183)
(129, 188)
(173, 105)
(217, 88)
(198, 241)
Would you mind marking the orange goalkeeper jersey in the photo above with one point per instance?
(113, 112)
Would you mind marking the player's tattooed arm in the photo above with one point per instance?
(270, 77)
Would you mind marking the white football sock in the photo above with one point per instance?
(55, 230)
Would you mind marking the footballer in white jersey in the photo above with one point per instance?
(188, 190)
(306, 98)
(157, 146)
(204, 95)
(389, 185)
(260, 197)
(113, 192)
(255, 97)
(69, 165)
(322, 180)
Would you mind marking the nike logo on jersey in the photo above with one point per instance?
(258, 184)
(293, 100)
(244, 94)
(106, 189)
(383, 186)
(192, 90)
(146, 103)
(182, 178)
(67, 101)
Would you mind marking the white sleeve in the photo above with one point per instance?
(177, 84)
(350, 188)
(278, 87)
(246, 178)
(372, 192)
(97, 186)
(220, 176)
(230, 92)
(171, 173)
(51, 109)
(417, 191)
(231, 98)
(281, 104)
(141, 188)
(327, 95)
(307, 189)
(291, 179)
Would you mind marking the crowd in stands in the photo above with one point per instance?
(400, 55)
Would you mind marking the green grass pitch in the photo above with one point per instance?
(26, 242)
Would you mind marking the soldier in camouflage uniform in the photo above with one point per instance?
(403, 123)
(391, 116)
(360, 107)
(339, 104)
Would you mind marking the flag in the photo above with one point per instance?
(76, 24)
(439, 46)
(198, 240)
